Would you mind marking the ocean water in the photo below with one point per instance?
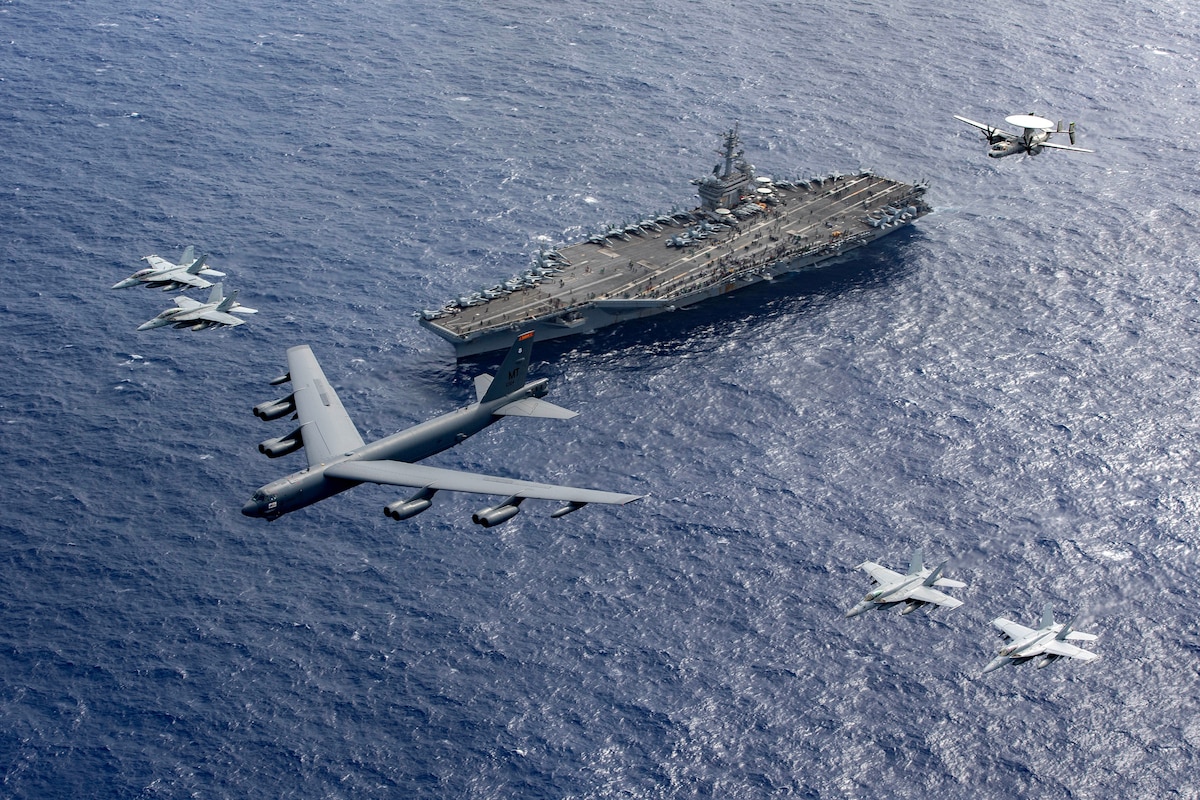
(1010, 385)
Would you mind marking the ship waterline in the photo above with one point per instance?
(747, 229)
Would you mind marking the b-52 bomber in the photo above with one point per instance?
(338, 459)
(1035, 135)
(197, 316)
(914, 589)
(1051, 640)
(168, 275)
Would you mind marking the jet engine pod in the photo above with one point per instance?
(274, 409)
(274, 448)
(404, 509)
(570, 507)
(284, 378)
(491, 517)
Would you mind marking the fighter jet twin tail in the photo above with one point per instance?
(187, 313)
(338, 459)
(1050, 642)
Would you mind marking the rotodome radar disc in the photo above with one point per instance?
(1029, 121)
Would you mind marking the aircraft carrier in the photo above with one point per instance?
(747, 229)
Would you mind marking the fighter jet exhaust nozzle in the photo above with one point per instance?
(491, 517)
(569, 508)
(274, 409)
(281, 446)
(406, 509)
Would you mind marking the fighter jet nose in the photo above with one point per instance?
(858, 609)
(145, 326)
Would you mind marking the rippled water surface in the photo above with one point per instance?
(1010, 385)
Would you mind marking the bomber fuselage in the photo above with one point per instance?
(311, 485)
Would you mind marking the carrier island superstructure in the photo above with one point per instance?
(747, 229)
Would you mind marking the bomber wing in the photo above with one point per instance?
(419, 476)
(326, 428)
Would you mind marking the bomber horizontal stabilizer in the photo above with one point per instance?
(532, 407)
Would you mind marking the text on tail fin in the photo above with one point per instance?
(512, 372)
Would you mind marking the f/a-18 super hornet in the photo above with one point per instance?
(1051, 640)
(193, 314)
(914, 589)
(338, 459)
(168, 275)
(1035, 135)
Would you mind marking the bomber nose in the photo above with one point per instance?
(250, 509)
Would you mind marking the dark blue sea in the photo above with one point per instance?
(1011, 384)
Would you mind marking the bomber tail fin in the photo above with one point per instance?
(512, 372)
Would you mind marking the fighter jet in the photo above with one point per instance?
(914, 589)
(189, 313)
(1050, 640)
(167, 275)
(338, 459)
(1035, 135)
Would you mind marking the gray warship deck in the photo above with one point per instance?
(671, 262)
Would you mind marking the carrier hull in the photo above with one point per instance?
(747, 230)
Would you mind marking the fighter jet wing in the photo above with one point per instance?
(1011, 629)
(882, 575)
(187, 303)
(1067, 147)
(220, 318)
(1060, 648)
(183, 277)
(326, 428)
(419, 476)
(927, 595)
(160, 263)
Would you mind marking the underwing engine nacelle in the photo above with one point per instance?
(274, 409)
(570, 507)
(404, 509)
(281, 446)
(491, 517)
